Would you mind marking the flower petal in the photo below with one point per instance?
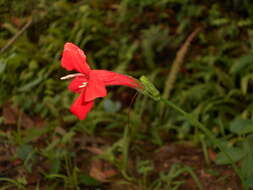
(111, 78)
(76, 83)
(73, 58)
(81, 108)
(96, 87)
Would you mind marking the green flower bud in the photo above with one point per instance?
(149, 89)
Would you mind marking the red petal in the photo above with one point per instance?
(95, 88)
(76, 83)
(111, 78)
(73, 58)
(81, 108)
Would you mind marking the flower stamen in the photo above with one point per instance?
(84, 84)
(71, 76)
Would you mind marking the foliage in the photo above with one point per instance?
(138, 37)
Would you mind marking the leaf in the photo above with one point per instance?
(249, 142)
(249, 181)
(247, 166)
(245, 82)
(236, 154)
(88, 180)
(30, 85)
(219, 21)
(242, 63)
(144, 167)
(68, 137)
(2, 67)
(55, 165)
(32, 134)
(23, 151)
(241, 126)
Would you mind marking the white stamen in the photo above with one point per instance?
(84, 84)
(71, 76)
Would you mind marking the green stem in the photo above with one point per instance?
(125, 147)
(196, 123)
(126, 140)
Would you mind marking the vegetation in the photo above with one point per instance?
(198, 54)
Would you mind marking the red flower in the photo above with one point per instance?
(90, 84)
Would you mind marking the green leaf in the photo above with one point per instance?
(219, 21)
(55, 165)
(247, 166)
(88, 180)
(68, 137)
(30, 85)
(34, 133)
(249, 142)
(2, 66)
(144, 167)
(249, 181)
(23, 151)
(245, 82)
(241, 126)
(236, 154)
(242, 63)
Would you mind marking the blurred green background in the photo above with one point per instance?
(41, 138)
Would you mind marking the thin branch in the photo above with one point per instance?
(15, 37)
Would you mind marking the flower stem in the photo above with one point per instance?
(209, 134)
